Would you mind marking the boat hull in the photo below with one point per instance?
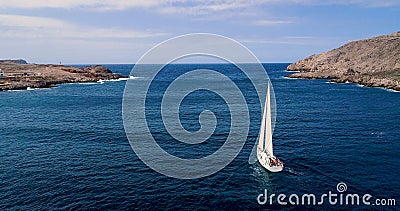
(263, 159)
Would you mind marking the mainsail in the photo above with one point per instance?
(261, 139)
(268, 124)
(265, 139)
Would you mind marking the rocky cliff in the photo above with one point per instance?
(18, 61)
(373, 62)
(15, 76)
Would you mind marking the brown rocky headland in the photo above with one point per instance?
(373, 62)
(19, 76)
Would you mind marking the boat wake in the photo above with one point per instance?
(293, 172)
(111, 80)
(119, 79)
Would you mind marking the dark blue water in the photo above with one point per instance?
(65, 148)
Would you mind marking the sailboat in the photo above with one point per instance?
(265, 153)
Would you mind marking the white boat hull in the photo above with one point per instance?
(264, 160)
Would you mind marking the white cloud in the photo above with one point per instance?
(75, 51)
(270, 22)
(28, 21)
(91, 4)
(49, 40)
(273, 41)
(363, 3)
(18, 26)
(198, 7)
(296, 41)
(189, 6)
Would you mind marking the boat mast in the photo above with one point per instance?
(268, 129)
(261, 140)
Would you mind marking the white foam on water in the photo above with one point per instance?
(134, 77)
(119, 79)
(15, 90)
(88, 83)
(388, 90)
(285, 77)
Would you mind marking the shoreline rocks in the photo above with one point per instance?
(373, 62)
(17, 76)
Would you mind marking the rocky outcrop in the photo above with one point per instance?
(18, 61)
(373, 62)
(21, 76)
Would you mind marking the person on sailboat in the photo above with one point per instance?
(279, 162)
(271, 162)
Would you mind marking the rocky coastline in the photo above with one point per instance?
(373, 62)
(21, 76)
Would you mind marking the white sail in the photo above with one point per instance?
(265, 153)
(261, 139)
(268, 124)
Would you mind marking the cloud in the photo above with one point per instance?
(49, 40)
(273, 41)
(294, 40)
(183, 6)
(204, 7)
(362, 3)
(270, 22)
(76, 51)
(18, 26)
(90, 4)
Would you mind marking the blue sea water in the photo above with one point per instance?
(66, 148)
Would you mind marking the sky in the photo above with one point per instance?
(121, 31)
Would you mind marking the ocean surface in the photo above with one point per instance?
(66, 148)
